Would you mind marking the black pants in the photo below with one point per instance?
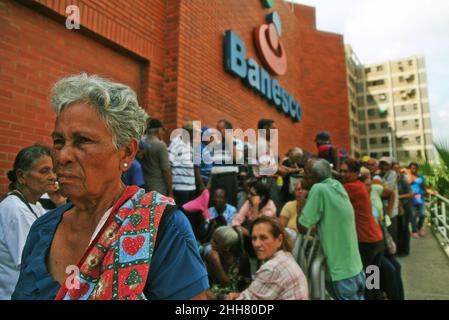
(371, 254)
(391, 279)
(228, 182)
(182, 197)
(403, 244)
(393, 229)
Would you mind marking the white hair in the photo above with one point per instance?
(116, 104)
(321, 169)
(295, 152)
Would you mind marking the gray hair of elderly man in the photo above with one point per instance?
(116, 104)
(320, 169)
(295, 152)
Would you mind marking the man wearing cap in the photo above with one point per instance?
(326, 150)
(155, 164)
(389, 178)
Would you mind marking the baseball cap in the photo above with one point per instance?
(388, 160)
(323, 137)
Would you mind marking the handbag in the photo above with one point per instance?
(390, 245)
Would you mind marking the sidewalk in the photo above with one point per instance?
(425, 271)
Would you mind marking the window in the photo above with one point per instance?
(401, 79)
(403, 109)
(367, 70)
(371, 112)
(419, 153)
(385, 140)
(410, 63)
(415, 107)
(375, 83)
(416, 123)
(404, 123)
(373, 141)
(373, 155)
(380, 68)
(410, 78)
(360, 101)
(418, 140)
(370, 99)
(359, 87)
(356, 140)
(385, 154)
(372, 126)
(384, 125)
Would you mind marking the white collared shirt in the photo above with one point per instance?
(15, 223)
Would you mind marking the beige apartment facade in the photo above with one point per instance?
(393, 109)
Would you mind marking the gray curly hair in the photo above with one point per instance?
(116, 104)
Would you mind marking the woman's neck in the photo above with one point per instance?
(31, 197)
(90, 211)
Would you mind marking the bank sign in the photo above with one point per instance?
(272, 53)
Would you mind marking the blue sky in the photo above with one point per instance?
(381, 30)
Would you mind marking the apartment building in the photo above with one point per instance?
(393, 109)
(353, 71)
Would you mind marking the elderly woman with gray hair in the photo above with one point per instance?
(227, 263)
(101, 245)
(31, 177)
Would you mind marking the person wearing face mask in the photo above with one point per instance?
(279, 277)
(31, 177)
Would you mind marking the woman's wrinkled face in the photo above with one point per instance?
(40, 178)
(85, 159)
(264, 243)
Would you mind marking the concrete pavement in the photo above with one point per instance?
(425, 272)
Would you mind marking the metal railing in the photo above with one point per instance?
(439, 218)
(309, 256)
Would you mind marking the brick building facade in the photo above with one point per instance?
(171, 53)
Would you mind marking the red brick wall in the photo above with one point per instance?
(35, 51)
(171, 53)
(316, 73)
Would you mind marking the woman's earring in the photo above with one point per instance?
(125, 165)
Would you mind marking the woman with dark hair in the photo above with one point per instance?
(258, 204)
(279, 277)
(31, 177)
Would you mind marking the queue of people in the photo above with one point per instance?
(189, 220)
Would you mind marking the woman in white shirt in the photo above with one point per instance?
(31, 177)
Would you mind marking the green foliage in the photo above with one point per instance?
(437, 175)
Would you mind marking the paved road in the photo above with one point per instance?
(425, 271)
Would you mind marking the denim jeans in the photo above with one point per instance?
(349, 289)
(419, 212)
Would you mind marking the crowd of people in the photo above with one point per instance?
(215, 218)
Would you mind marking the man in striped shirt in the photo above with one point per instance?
(225, 169)
(185, 174)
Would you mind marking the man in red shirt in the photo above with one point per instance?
(369, 233)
